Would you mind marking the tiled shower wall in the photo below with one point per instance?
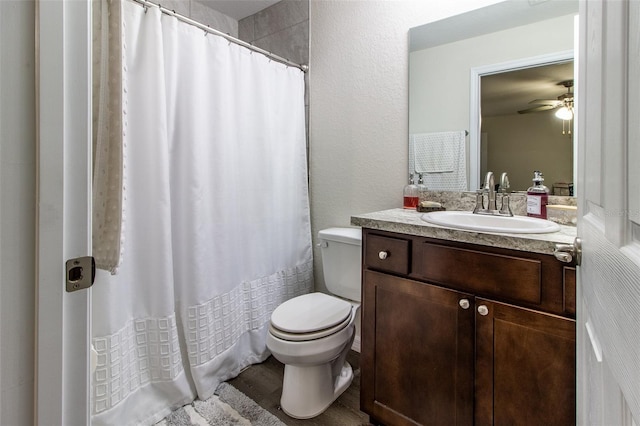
(199, 11)
(282, 29)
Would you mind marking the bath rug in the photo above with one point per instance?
(228, 406)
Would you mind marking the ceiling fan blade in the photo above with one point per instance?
(554, 102)
(537, 109)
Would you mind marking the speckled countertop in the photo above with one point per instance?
(405, 221)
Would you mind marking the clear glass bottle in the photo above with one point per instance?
(411, 194)
(537, 197)
(422, 189)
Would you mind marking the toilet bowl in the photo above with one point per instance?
(313, 333)
(316, 371)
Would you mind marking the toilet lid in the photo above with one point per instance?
(310, 313)
(305, 337)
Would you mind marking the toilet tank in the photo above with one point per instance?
(341, 250)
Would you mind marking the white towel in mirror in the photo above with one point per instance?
(441, 157)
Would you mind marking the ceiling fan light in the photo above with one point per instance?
(564, 113)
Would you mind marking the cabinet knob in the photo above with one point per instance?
(383, 255)
(464, 303)
(483, 310)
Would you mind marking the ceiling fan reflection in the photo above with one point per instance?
(564, 102)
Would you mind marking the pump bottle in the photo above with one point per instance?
(411, 194)
(537, 197)
(422, 188)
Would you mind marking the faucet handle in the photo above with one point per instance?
(479, 201)
(505, 207)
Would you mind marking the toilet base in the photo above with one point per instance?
(308, 391)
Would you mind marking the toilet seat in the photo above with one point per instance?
(309, 317)
(302, 337)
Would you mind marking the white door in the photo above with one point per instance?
(609, 224)
(63, 209)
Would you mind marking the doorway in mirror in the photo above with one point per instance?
(520, 128)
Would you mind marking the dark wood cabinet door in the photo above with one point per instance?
(417, 355)
(525, 366)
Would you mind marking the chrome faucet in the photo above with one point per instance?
(504, 182)
(491, 207)
(490, 190)
(505, 208)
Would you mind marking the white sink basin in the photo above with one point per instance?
(486, 223)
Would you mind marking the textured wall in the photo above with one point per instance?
(17, 211)
(359, 109)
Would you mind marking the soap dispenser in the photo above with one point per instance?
(411, 194)
(537, 197)
(422, 189)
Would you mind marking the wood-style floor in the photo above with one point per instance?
(263, 384)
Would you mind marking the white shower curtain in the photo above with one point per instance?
(217, 230)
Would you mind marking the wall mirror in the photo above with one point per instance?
(471, 74)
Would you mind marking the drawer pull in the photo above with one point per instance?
(464, 303)
(483, 310)
(383, 255)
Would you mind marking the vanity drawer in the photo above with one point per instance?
(503, 276)
(387, 254)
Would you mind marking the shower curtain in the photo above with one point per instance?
(216, 230)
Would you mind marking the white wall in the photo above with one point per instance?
(358, 104)
(17, 211)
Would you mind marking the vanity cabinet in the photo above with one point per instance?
(463, 334)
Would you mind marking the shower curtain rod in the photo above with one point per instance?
(232, 39)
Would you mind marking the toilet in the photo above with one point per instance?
(312, 334)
